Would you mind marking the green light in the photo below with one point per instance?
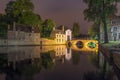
(91, 45)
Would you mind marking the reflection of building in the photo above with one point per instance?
(61, 35)
(60, 50)
(68, 34)
(62, 53)
(68, 54)
(17, 54)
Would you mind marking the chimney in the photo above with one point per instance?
(14, 26)
(53, 28)
(8, 26)
(62, 28)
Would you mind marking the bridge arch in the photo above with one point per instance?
(86, 44)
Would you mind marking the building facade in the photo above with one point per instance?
(113, 29)
(61, 36)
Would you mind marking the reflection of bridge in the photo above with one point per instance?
(85, 45)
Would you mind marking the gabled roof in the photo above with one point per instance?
(57, 31)
(115, 20)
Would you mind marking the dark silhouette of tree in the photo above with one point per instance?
(47, 27)
(99, 11)
(76, 29)
(21, 12)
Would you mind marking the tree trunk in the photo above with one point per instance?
(105, 30)
(105, 23)
(98, 31)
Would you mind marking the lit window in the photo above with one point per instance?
(59, 40)
(56, 35)
(62, 40)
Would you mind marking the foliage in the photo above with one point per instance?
(47, 59)
(47, 27)
(21, 11)
(16, 9)
(76, 29)
(76, 57)
(93, 31)
(99, 11)
(3, 26)
(29, 19)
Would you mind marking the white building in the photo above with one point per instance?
(68, 34)
(115, 29)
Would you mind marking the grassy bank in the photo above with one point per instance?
(111, 43)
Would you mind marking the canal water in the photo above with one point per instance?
(53, 63)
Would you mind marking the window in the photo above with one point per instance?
(115, 34)
(68, 50)
(29, 34)
(115, 28)
(113, 22)
(119, 35)
(56, 35)
(59, 35)
(62, 40)
(57, 40)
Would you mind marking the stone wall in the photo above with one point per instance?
(35, 41)
(18, 42)
(45, 41)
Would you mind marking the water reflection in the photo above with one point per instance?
(53, 63)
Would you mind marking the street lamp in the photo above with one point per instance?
(42, 36)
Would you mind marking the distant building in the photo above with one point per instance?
(113, 29)
(23, 33)
(61, 35)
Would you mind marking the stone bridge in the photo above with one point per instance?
(84, 45)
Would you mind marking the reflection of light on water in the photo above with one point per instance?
(89, 48)
(85, 48)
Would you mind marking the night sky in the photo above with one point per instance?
(64, 12)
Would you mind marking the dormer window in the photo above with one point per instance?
(113, 22)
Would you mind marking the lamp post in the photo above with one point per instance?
(43, 30)
(42, 36)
